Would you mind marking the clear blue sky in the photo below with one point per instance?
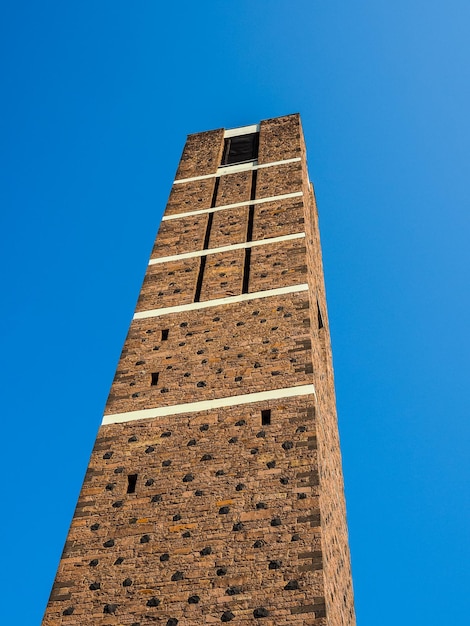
(97, 98)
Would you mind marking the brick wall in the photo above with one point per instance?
(191, 514)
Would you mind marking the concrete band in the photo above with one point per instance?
(244, 297)
(208, 405)
(235, 246)
(284, 196)
(233, 169)
(241, 130)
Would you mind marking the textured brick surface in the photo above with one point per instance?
(191, 196)
(280, 264)
(234, 188)
(201, 154)
(223, 275)
(284, 217)
(278, 180)
(280, 139)
(265, 342)
(168, 284)
(179, 520)
(229, 227)
(337, 568)
(185, 234)
(231, 519)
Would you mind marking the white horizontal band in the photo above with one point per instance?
(222, 170)
(244, 297)
(235, 205)
(235, 246)
(208, 405)
(242, 130)
(232, 169)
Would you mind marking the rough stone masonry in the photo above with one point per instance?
(214, 492)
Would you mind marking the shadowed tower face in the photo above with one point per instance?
(214, 492)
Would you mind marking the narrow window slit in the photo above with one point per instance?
(249, 235)
(197, 295)
(266, 417)
(154, 379)
(165, 334)
(214, 193)
(249, 229)
(320, 319)
(202, 264)
(254, 178)
(210, 219)
(131, 482)
(246, 270)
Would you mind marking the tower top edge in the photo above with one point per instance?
(243, 130)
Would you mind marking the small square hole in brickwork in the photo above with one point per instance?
(165, 332)
(266, 417)
(154, 378)
(131, 483)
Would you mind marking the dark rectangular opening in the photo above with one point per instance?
(202, 265)
(266, 417)
(240, 149)
(214, 193)
(165, 332)
(249, 226)
(207, 236)
(154, 378)
(246, 270)
(320, 319)
(254, 179)
(131, 482)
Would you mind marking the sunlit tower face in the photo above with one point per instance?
(214, 491)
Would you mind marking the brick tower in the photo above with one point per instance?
(214, 492)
